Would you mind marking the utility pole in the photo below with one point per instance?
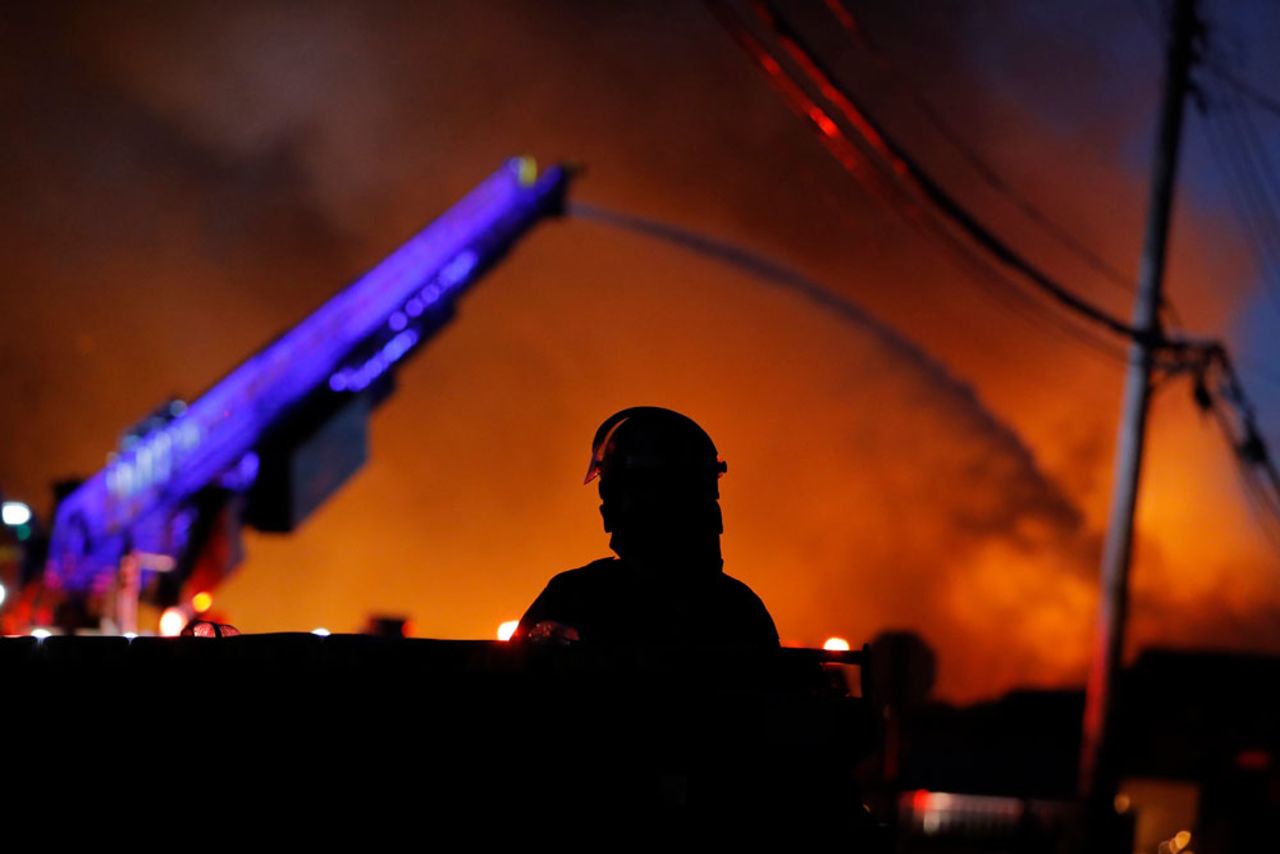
(1098, 772)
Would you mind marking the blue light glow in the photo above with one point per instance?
(358, 379)
(241, 476)
(134, 501)
(144, 462)
(458, 269)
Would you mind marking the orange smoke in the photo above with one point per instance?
(228, 170)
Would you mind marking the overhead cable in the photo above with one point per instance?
(877, 149)
(1260, 98)
(903, 168)
(977, 162)
(876, 176)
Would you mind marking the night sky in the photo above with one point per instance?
(183, 181)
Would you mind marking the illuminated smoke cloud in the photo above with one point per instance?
(183, 181)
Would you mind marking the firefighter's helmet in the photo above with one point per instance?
(650, 440)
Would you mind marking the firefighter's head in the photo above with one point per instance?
(659, 484)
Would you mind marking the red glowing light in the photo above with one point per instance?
(1253, 760)
(823, 121)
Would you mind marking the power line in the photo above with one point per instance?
(1264, 508)
(1220, 69)
(1247, 187)
(1254, 141)
(1252, 185)
(1017, 301)
(871, 171)
(1252, 446)
(876, 149)
(1260, 98)
(1261, 175)
(907, 171)
(1264, 513)
(1259, 476)
(1239, 189)
(980, 166)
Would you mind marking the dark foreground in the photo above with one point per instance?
(292, 736)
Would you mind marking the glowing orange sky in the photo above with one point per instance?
(187, 182)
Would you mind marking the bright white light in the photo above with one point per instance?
(3, 593)
(836, 645)
(172, 622)
(507, 629)
(15, 513)
(131, 635)
(41, 634)
(320, 631)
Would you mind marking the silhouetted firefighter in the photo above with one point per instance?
(688, 714)
(659, 488)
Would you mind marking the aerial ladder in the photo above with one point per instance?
(280, 433)
(754, 732)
